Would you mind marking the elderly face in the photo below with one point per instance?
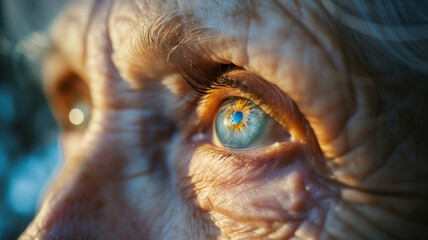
(224, 120)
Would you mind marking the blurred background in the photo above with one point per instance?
(29, 147)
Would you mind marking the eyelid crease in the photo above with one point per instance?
(204, 82)
(257, 158)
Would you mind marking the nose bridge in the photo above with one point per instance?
(76, 200)
(124, 135)
(93, 191)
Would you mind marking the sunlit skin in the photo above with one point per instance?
(148, 166)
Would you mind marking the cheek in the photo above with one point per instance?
(87, 200)
(273, 194)
(106, 190)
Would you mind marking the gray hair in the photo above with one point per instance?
(394, 34)
(389, 39)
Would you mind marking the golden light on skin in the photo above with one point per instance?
(76, 116)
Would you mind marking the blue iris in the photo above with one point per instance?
(239, 123)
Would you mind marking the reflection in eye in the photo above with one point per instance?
(240, 124)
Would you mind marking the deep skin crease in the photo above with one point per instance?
(144, 169)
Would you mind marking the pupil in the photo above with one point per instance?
(237, 117)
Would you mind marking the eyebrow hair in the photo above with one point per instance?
(170, 38)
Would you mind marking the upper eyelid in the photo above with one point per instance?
(242, 89)
(203, 82)
(233, 83)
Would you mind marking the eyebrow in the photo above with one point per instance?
(170, 38)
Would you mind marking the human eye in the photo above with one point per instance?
(68, 94)
(242, 116)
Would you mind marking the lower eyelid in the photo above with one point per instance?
(247, 161)
(228, 172)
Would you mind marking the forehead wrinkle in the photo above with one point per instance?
(161, 45)
(162, 40)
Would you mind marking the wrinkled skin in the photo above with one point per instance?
(146, 166)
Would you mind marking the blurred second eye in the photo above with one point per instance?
(242, 124)
(79, 115)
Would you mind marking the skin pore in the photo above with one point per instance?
(148, 164)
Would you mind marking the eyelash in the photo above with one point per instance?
(204, 83)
